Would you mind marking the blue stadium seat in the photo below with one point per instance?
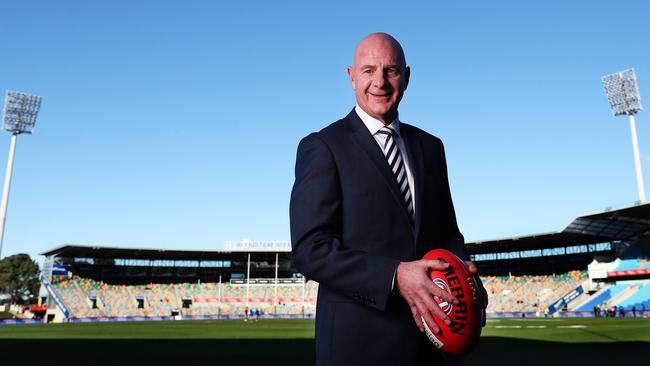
(603, 297)
(639, 299)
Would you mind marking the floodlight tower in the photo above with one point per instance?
(624, 99)
(20, 111)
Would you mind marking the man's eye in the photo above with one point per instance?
(392, 71)
(367, 71)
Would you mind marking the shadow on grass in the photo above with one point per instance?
(514, 351)
(491, 351)
(161, 352)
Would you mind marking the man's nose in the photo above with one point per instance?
(379, 80)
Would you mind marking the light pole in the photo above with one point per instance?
(20, 111)
(624, 99)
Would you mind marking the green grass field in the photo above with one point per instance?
(190, 329)
(568, 330)
(290, 342)
(578, 330)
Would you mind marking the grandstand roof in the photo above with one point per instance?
(607, 226)
(88, 251)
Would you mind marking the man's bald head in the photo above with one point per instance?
(376, 40)
(379, 76)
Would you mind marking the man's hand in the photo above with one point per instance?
(418, 290)
(484, 296)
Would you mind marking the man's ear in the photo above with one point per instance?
(351, 77)
(407, 76)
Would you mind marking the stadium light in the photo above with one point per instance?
(20, 112)
(624, 99)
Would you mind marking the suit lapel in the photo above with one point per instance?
(416, 163)
(367, 143)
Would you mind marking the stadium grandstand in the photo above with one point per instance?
(595, 265)
(246, 279)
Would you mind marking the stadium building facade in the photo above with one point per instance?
(598, 260)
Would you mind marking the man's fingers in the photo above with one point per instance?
(434, 264)
(417, 318)
(429, 308)
(424, 313)
(471, 267)
(438, 313)
(423, 296)
(432, 307)
(442, 294)
(431, 323)
(419, 291)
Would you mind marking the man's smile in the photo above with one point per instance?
(380, 96)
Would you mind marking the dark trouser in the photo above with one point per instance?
(429, 355)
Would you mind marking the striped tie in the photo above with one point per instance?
(396, 163)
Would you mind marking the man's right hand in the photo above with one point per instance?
(418, 290)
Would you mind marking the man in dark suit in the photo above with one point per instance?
(371, 197)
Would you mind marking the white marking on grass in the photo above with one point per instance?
(537, 319)
(507, 326)
(571, 326)
(536, 326)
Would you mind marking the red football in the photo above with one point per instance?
(463, 333)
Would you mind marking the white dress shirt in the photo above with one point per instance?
(374, 125)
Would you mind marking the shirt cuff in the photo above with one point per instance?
(393, 286)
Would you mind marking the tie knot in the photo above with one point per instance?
(387, 131)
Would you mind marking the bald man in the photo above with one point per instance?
(371, 196)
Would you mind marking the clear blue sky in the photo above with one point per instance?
(175, 124)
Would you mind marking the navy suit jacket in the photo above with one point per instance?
(350, 229)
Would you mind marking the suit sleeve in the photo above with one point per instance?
(318, 250)
(451, 238)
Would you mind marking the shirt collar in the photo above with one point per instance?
(373, 124)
